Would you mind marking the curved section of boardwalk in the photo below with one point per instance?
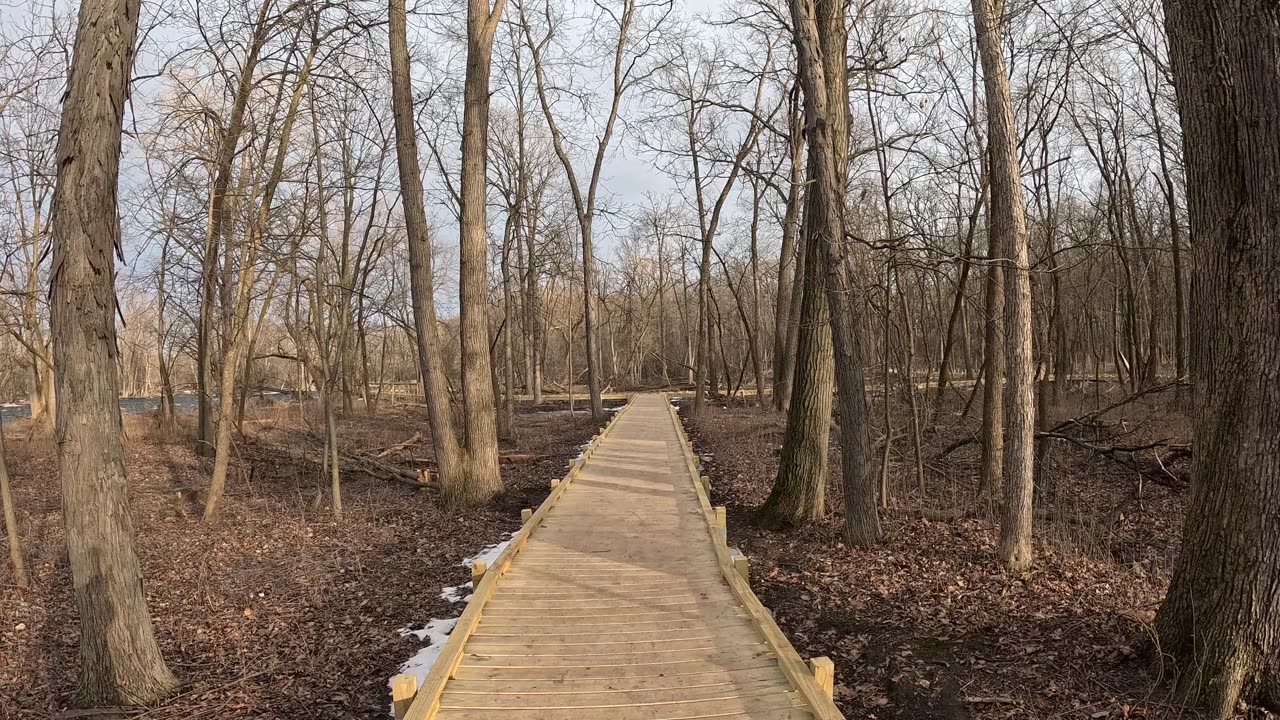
(620, 603)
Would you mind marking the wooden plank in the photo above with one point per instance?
(584, 644)
(685, 613)
(665, 628)
(614, 673)
(760, 706)
(587, 653)
(694, 586)
(624, 606)
(822, 706)
(718, 694)
(403, 689)
(665, 619)
(574, 684)
(758, 651)
(824, 674)
(615, 599)
(427, 700)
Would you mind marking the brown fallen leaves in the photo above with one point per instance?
(926, 626)
(275, 610)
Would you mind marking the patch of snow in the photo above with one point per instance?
(491, 553)
(457, 593)
(436, 632)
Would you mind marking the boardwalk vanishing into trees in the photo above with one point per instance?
(620, 599)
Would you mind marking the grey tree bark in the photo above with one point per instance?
(483, 478)
(1008, 227)
(120, 662)
(435, 386)
(821, 40)
(1220, 622)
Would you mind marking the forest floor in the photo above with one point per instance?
(275, 610)
(926, 626)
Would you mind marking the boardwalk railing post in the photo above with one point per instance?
(555, 482)
(478, 569)
(824, 673)
(706, 484)
(722, 524)
(403, 689)
(743, 566)
(525, 515)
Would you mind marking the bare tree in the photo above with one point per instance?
(120, 662)
(1219, 620)
(483, 477)
(1009, 235)
(435, 386)
(821, 38)
(635, 27)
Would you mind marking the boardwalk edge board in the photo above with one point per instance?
(814, 690)
(426, 702)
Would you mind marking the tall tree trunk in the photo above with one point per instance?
(821, 39)
(11, 521)
(168, 409)
(483, 478)
(799, 488)
(1220, 622)
(1008, 228)
(1169, 190)
(958, 303)
(435, 386)
(992, 462)
(506, 417)
(789, 271)
(120, 662)
(238, 334)
(219, 215)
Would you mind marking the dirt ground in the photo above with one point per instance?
(926, 626)
(275, 610)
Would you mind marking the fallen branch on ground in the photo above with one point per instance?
(417, 438)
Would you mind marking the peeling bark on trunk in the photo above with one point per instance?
(120, 662)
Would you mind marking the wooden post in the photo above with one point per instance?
(722, 517)
(403, 689)
(706, 483)
(525, 516)
(743, 566)
(824, 673)
(554, 483)
(478, 569)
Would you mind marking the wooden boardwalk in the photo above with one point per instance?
(619, 601)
